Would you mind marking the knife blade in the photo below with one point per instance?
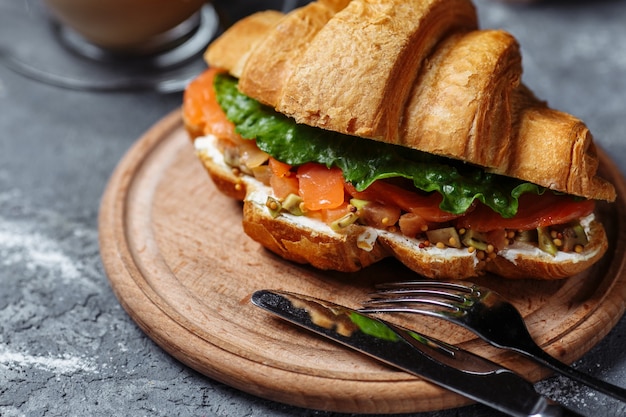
(448, 366)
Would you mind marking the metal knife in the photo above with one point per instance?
(445, 365)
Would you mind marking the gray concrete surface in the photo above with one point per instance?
(67, 348)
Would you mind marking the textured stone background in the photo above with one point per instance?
(68, 348)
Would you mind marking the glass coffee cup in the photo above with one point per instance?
(117, 45)
(108, 45)
(126, 27)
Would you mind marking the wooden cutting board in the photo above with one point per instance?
(179, 263)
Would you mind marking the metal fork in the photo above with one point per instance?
(481, 311)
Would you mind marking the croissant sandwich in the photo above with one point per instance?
(358, 130)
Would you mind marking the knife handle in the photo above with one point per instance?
(557, 410)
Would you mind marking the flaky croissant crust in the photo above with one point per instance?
(417, 73)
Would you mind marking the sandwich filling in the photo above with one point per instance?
(341, 180)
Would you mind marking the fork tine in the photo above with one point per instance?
(451, 291)
(407, 294)
(412, 300)
(423, 306)
(426, 297)
(430, 304)
(415, 285)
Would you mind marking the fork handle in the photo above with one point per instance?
(597, 384)
(557, 410)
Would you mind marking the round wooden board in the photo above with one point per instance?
(179, 263)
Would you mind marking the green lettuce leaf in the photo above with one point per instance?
(364, 161)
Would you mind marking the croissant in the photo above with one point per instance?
(462, 99)
(418, 74)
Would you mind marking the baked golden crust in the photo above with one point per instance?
(223, 178)
(383, 43)
(328, 251)
(415, 73)
(272, 62)
(232, 51)
(543, 266)
(475, 74)
(568, 160)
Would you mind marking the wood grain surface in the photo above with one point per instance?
(180, 265)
